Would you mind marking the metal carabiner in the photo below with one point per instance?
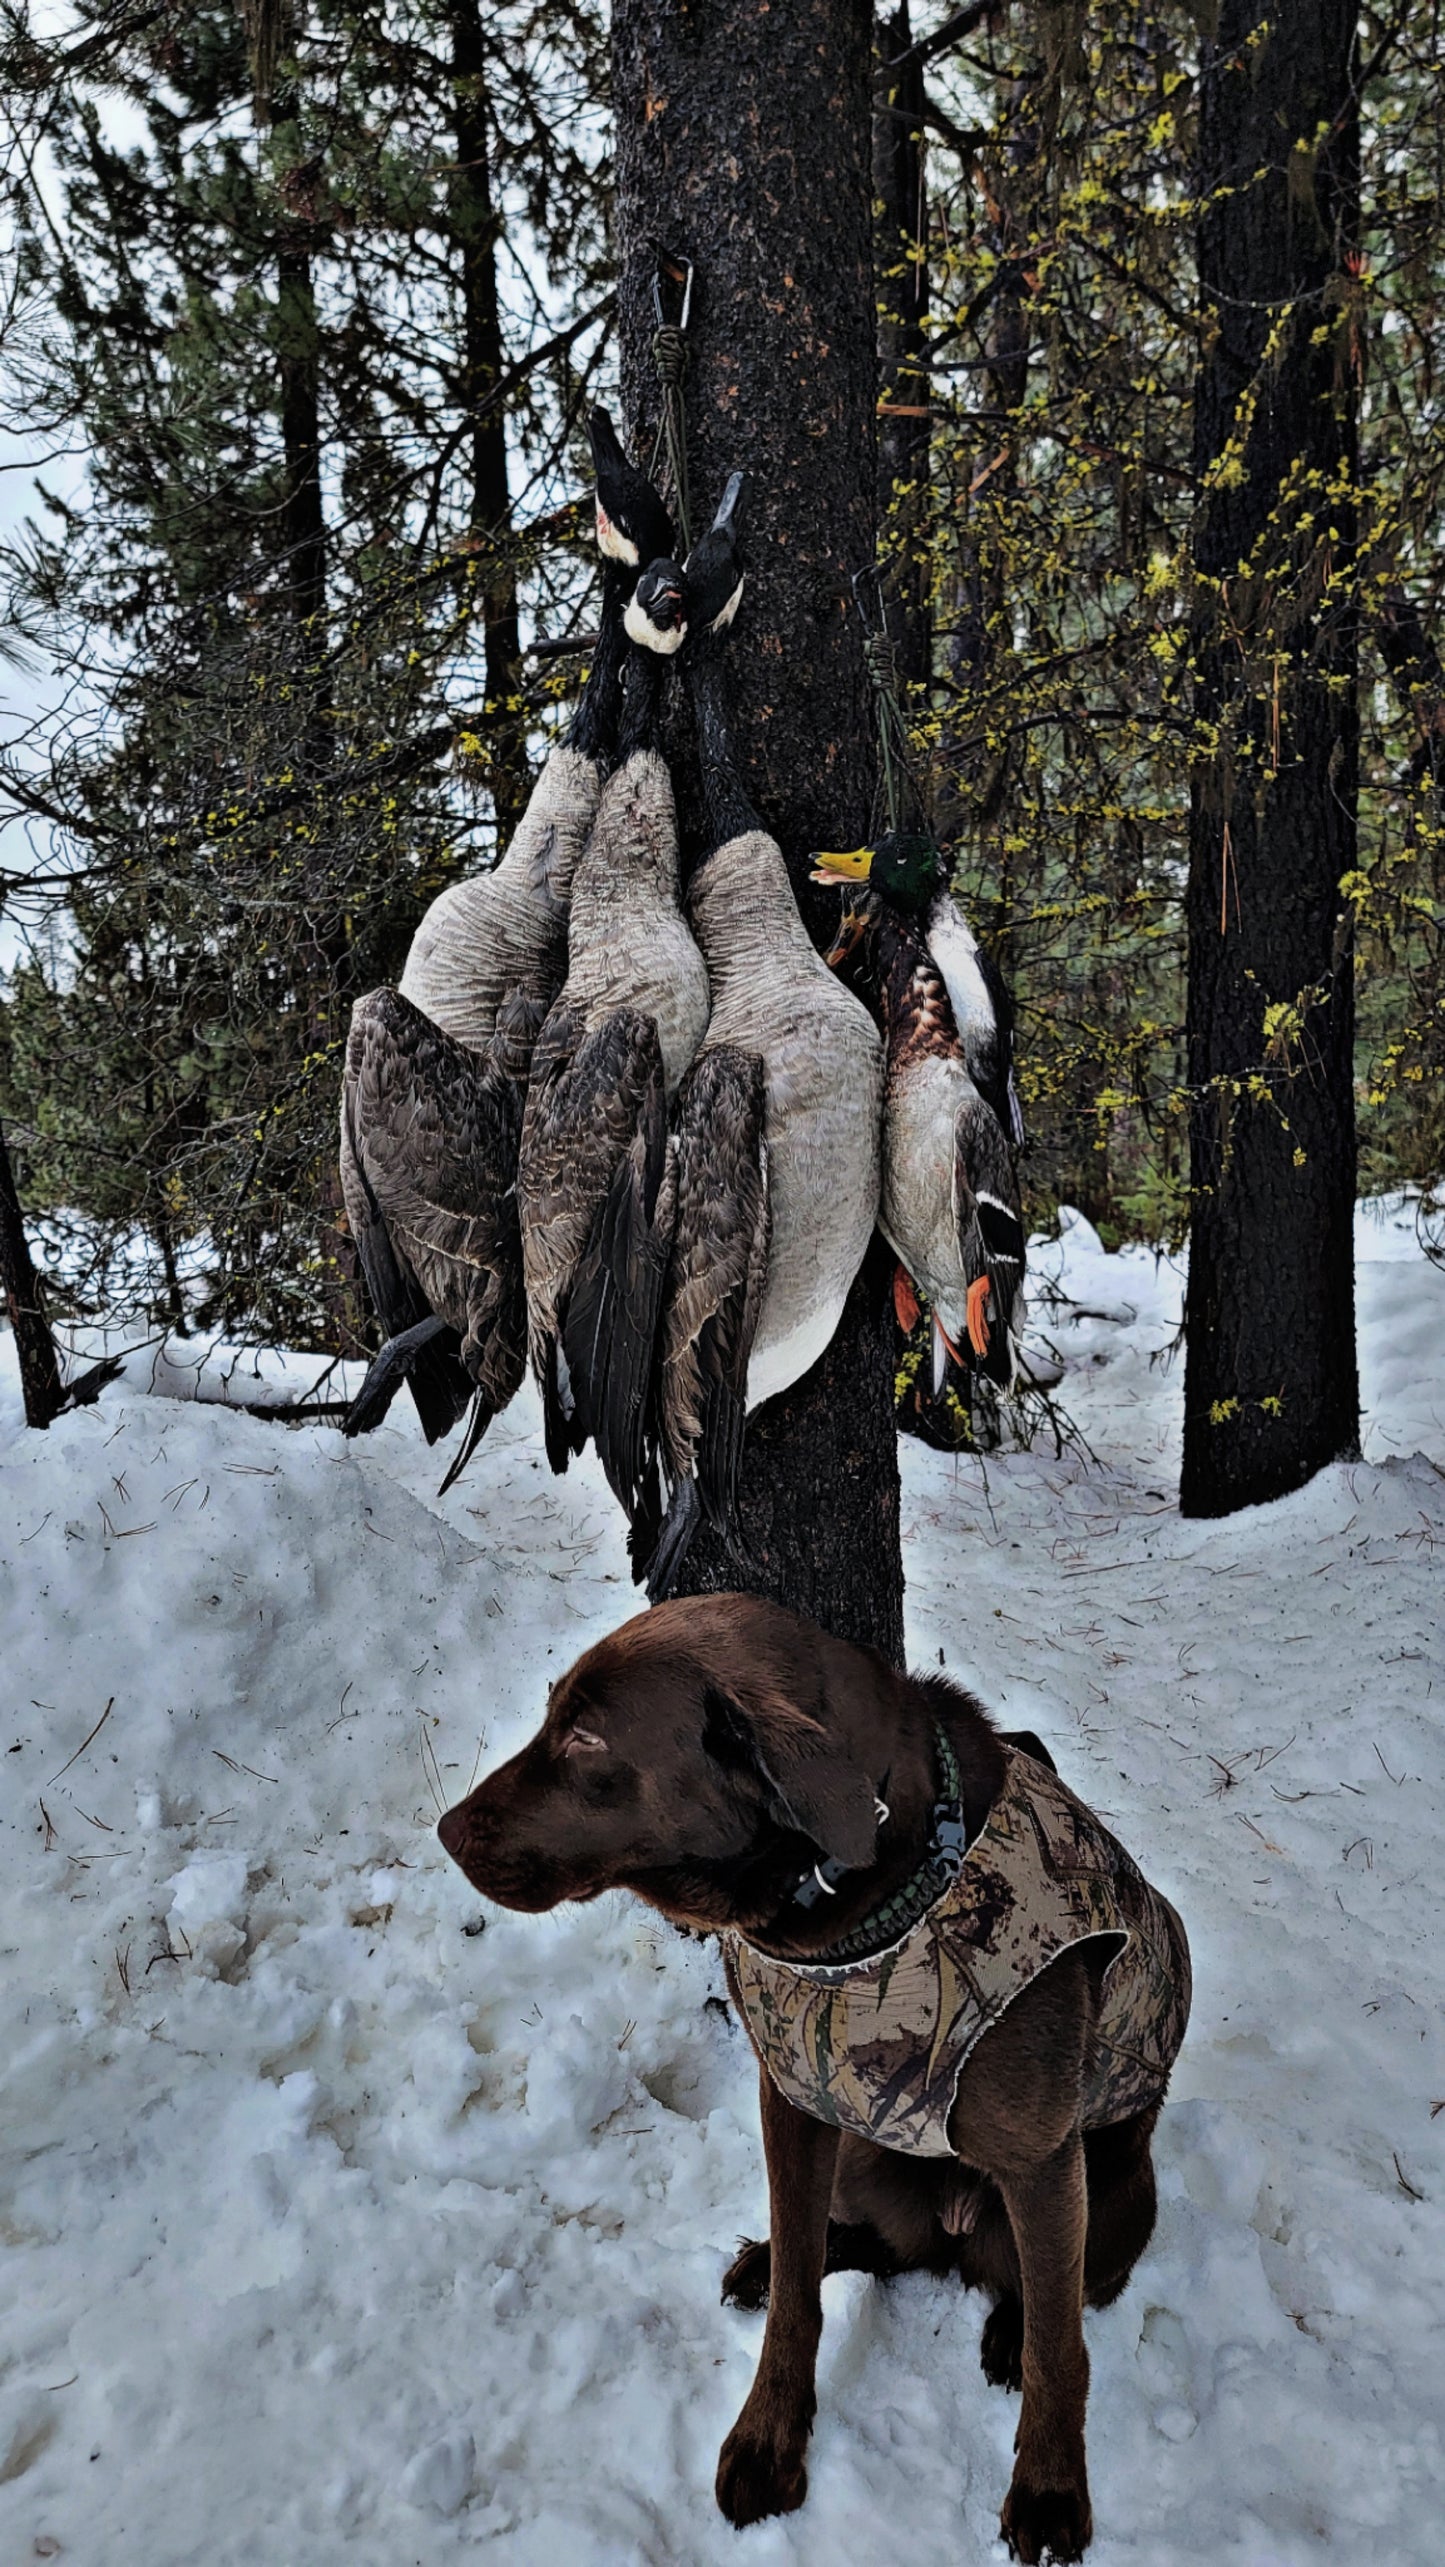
(874, 618)
(674, 270)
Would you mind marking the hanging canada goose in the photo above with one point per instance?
(507, 929)
(436, 1076)
(429, 1134)
(775, 1157)
(950, 1206)
(668, 604)
(591, 1188)
(908, 869)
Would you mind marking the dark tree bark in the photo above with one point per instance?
(298, 362)
(39, 1371)
(1271, 1388)
(744, 142)
(276, 100)
(476, 226)
(1414, 664)
(323, 951)
(1014, 188)
(904, 421)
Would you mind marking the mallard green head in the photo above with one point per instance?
(906, 867)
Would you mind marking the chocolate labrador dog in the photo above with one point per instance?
(964, 1996)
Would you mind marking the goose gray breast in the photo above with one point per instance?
(823, 1068)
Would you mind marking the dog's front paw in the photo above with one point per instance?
(749, 2276)
(1046, 2522)
(762, 2469)
(1002, 2349)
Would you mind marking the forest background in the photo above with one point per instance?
(322, 301)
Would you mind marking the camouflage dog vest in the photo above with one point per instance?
(877, 2046)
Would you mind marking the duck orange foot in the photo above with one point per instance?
(905, 1301)
(978, 1315)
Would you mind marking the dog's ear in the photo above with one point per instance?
(808, 1782)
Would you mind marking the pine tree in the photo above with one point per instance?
(755, 162)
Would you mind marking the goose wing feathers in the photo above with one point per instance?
(429, 1150)
(716, 1274)
(595, 1220)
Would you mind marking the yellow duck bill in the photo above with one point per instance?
(854, 864)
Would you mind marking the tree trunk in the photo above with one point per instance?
(476, 227)
(322, 950)
(1414, 664)
(298, 362)
(744, 142)
(1013, 185)
(39, 1371)
(1271, 1389)
(904, 422)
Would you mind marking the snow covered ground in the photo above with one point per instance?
(335, 2227)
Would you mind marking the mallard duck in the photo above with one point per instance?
(590, 1176)
(775, 1156)
(950, 1206)
(907, 867)
(433, 1088)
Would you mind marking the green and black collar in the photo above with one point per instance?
(888, 1923)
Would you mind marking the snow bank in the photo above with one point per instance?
(345, 2222)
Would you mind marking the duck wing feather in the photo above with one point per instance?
(994, 1073)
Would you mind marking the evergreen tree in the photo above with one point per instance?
(276, 321)
(755, 161)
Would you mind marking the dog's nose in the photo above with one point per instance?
(452, 1829)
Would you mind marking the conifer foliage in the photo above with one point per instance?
(289, 281)
(320, 294)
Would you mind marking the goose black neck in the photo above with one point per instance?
(641, 694)
(593, 728)
(730, 814)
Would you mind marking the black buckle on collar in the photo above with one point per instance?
(943, 1861)
(821, 1882)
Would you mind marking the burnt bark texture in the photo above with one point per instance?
(900, 188)
(40, 1385)
(1271, 1388)
(744, 142)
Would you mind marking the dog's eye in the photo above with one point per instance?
(583, 1742)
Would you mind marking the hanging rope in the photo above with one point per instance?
(669, 355)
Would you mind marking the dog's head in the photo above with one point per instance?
(692, 1757)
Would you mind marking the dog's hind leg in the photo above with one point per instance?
(1120, 2175)
(1001, 2350)
(1122, 2204)
(853, 2247)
